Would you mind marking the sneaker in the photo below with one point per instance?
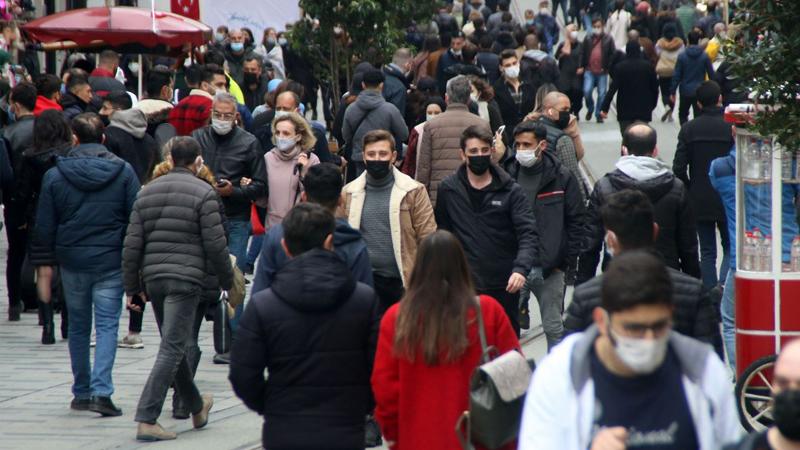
(222, 358)
(104, 406)
(524, 318)
(79, 404)
(372, 435)
(600, 119)
(588, 116)
(131, 341)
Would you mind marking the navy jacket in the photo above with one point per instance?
(347, 243)
(691, 69)
(83, 211)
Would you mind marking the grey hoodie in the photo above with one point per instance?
(132, 121)
(371, 112)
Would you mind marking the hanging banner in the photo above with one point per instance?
(187, 8)
(255, 15)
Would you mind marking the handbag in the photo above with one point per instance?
(496, 396)
(222, 327)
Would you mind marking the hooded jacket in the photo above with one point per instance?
(395, 87)
(314, 330)
(500, 236)
(691, 70)
(157, 113)
(34, 165)
(537, 68)
(347, 243)
(43, 104)
(677, 234)
(126, 137)
(83, 211)
(370, 112)
(72, 105)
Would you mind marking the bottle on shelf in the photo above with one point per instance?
(766, 254)
(758, 238)
(748, 251)
(753, 163)
(795, 254)
(766, 158)
(787, 164)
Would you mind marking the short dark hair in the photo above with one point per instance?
(48, 84)
(76, 80)
(306, 227)
(184, 151)
(503, 5)
(210, 70)
(25, 95)
(156, 80)
(119, 100)
(507, 54)
(88, 128)
(323, 184)
(530, 126)
(377, 136)
(629, 214)
(693, 37)
(640, 143)
(475, 132)
(373, 78)
(597, 18)
(635, 278)
(708, 93)
(193, 74)
(215, 57)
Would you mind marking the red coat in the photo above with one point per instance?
(417, 405)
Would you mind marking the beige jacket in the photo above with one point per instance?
(410, 216)
(439, 151)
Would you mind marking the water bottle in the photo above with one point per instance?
(766, 254)
(787, 164)
(766, 157)
(754, 167)
(796, 254)
(758, 239)
(747, 251)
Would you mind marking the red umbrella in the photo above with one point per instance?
(117, 27)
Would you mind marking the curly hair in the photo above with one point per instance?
(166, 166)
(301, 127)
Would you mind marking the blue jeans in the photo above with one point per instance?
(103, 293)
(728, 312)
(706, 234)
(238, 235)
(590, 81)
(255, 249)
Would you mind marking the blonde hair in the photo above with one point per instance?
(166, 166)
(301, 128)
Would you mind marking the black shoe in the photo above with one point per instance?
(588, 116)
(48, 328)
(179, 410)
(372, 435)
(599, 119)
(222, 358)
(79, 404)
(248, 269)
(104, 406)
(14, 313)
(524, 319)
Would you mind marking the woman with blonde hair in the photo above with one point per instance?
(287, 163)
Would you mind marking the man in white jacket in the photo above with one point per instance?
(629, 382)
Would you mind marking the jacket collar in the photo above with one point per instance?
(201, 93)
(401, 181)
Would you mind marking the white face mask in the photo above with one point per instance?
(573, 35)
(512, 72)
(474, 97)
(134, 68)
(527, 158)
(221, 127)
(642, 356)
(281, 114)
(544, 11)
(285, 144)
(428, 117)
(456, 52)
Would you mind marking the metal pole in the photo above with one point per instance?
(139, 79)
(725, 12)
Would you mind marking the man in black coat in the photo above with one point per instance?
(315, 331)
(126, 137)
(557, 203)
(489, 213)
(629, 220)
(514, 96)
(635, 84)
(639, 169)
(700, 141)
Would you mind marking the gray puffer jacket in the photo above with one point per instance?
(371, 112)
(175, 227)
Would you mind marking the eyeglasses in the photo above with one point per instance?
(223, 116)
(639, 330)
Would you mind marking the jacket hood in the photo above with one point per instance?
(90, 167)
(655, 188)
(369, 100)
(694, 51)
(670, 45)
(132, 121)
(344, 234)
(535, 54)
(43, 104)
(316, 281)
(641, 167)
(154, 106)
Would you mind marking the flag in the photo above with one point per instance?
(188, 8)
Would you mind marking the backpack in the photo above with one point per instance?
(665, 67)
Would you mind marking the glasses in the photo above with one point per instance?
(223, 116)
(639, 330)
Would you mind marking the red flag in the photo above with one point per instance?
(187, 8)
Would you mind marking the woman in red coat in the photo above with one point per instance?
(428, 348)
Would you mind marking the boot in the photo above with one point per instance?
(48, 330)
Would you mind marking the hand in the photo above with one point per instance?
(610, 439)
(133, 306)
(224, 188)
(515, 283)
(499, 145)
(303, 159)
(245, 181)
(672, 98)
(604, 114)
(579, 71)
(533, 115)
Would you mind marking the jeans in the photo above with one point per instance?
(587, 21)
(103, 293)
(509, 302)
(728, 312)
(707, 236)
(590, 82)
(175, 306)
(238, 236)
(564, 8)
(389, 291)
(550, 295)
(255, 249)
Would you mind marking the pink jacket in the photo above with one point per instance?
(284, 185)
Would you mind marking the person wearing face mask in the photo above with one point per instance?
(555, 197)
(255, 84)
(630, 381)
(490, 214)
(715, 44)
(639, 169)
(433, 107)
(598, 52)
(555, 118)
(784, 434)
(570, 81)
(514, 96)
(235, 53)
(220, 38)
(273, 52)
(630, 225)
(449, 58)
(635, 83)
(174, 205)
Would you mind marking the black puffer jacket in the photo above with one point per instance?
(34, 165)
(499, 236)
(175, 226)
(694, 313)
(127, 137)
(315, 331)
(677, 233)
(232, 157)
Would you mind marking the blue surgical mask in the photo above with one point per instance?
(282, 42)
(219, 37)
(237, 46)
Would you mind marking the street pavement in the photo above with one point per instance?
(35, 380)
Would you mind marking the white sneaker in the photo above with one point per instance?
(131, 341)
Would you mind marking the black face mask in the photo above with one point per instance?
(563, 119)
(479, 164)
(250, 78)
(106, 119)
(378, 169)
(786, 412)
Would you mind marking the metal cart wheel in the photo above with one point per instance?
(754, 394)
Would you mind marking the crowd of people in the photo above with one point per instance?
(456, 192)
